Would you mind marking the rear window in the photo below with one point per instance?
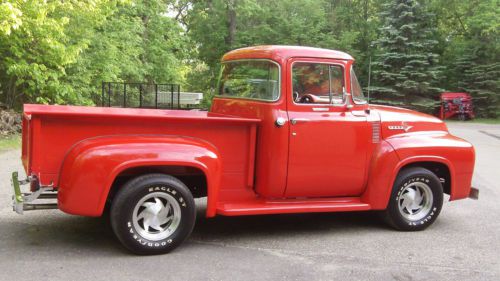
(250, 79)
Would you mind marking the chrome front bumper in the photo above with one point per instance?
(474, 193)
(23, 201)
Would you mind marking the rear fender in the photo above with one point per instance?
(91, 166)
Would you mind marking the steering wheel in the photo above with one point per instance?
(306, 99)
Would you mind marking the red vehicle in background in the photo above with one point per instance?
(289, 131)
(457, 105)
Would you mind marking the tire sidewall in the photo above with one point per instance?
(122, 214)
(406, 178)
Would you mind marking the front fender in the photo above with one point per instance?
(91, 166)
(396, 152)
(383, 166)
(442, 147)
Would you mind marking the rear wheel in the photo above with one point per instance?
(153, 214)
(416, 200)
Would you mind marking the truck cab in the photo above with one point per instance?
(289, 131)
(315, 136)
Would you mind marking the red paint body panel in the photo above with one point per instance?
(104, 158)
(60, 132)
(334, 158)
(441, 147)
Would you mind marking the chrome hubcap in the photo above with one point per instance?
(156, 216)
(415, 201)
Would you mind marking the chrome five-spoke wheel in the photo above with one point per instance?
(156, 216)
(153, 214)
(415, 201)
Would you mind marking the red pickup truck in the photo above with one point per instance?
(289, 131)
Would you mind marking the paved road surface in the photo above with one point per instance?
(463, 244)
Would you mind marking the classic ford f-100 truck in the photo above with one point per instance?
(289, 131)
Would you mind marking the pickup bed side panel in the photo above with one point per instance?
(89, 169)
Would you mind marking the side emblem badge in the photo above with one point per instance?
(404, 126)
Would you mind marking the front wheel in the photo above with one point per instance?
(416, 200)
(153, 214)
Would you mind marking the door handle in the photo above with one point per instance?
(296, 120)
(280, 121)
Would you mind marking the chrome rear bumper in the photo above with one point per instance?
(23, 201)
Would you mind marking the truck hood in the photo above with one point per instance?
(396, 121)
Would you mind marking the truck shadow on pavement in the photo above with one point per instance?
(250, 227)
(94, 236)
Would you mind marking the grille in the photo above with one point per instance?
(375, 132)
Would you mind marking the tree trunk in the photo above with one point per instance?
(231, 23)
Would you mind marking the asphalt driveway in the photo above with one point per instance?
(463, 244)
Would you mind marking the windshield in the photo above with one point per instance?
(250, 79)
(357, 93)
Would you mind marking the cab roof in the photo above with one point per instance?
(281, 53)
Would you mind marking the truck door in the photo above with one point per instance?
(328, 142)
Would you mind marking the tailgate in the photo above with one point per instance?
(26, 143)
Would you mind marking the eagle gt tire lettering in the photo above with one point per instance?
(153, 214)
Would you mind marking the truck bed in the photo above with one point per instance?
(49, 132)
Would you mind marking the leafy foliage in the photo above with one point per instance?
(59, 52)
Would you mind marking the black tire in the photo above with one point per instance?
(153, 189)
(409, 182)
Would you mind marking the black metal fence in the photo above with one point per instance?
(140, 95)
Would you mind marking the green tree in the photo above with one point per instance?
(471, 32)
(406, 69)
(34, 56)
(58, 52)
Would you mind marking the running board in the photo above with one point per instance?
(290, 206)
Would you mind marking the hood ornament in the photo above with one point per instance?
(404, 126)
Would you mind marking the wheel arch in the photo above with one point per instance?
(386, 165)
(92, 169)
(194, 177)
(440, 169)
(430, 162)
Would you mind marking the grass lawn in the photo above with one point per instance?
(10, 142)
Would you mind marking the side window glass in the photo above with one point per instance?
(317, 83)
(357, 93)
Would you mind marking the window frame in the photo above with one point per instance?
(342, 66)
(247, 98)
(352, 88)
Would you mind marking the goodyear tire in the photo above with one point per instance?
(153, 214)
(416, 200)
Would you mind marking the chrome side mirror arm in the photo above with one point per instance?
(348, 103)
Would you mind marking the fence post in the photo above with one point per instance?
(102, 93)
(171, 96)
(109, 94)
(140, 95)
(179, 96)
(156, 95)
(124, 94)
